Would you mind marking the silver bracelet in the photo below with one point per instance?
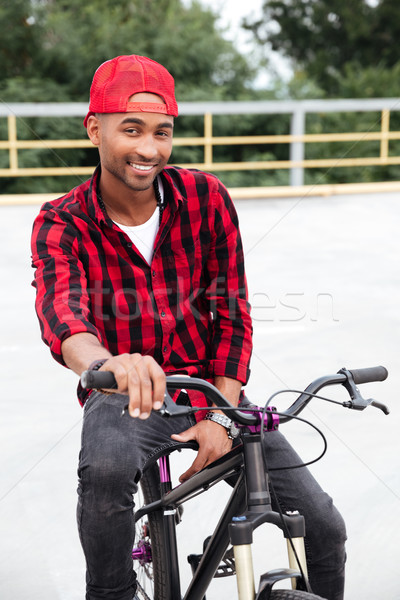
(225, 422)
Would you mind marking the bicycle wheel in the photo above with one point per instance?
(150, 565)
(292, 595)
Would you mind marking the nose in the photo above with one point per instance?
(146, 147)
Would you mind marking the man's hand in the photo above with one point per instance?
(138, 376)
(211, 437)
(142, 378)
(213, 443)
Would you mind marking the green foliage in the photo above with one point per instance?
(323, 38)
(342, 49)
(372, 81)
(19, 41)
(64, 41)
(50, 49)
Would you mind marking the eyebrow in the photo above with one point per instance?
(138, 121)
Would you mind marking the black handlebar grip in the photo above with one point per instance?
(98, 380)
(368, 375)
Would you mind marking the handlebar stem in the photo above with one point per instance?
(271, 420)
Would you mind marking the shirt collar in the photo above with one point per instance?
(96, 207)
(174, 194)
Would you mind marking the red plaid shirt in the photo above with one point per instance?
(188, 308)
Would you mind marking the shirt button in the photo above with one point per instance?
(163, 313)
(153, 273)
(165, 349)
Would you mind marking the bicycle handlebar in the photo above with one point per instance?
(348, 378)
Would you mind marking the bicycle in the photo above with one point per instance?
(156, 554)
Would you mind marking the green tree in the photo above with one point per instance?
(50, 49)
(322, 37)
(64, 41)
(338, 49)
(19, 42)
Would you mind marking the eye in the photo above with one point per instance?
(164, 133)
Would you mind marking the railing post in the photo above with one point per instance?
(12, 141)
(297, 127)
(208, 149)
(385, 118)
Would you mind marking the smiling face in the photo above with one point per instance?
(134, 147)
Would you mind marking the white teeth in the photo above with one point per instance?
(141, 167)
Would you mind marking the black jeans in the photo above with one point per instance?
(113, 454)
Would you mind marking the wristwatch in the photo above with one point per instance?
(225, 421)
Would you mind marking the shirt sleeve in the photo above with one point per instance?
(62, 302)
(227, 293)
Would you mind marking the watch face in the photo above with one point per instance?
(233, 431)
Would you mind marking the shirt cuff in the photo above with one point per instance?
(65, 331)
(226, 368)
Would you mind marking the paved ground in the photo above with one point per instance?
(324, 283)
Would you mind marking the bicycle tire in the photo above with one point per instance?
(153, 579)
(292, 595)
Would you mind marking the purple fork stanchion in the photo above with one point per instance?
(165, 473)
(142, 551)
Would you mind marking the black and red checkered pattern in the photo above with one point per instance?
(188, 308)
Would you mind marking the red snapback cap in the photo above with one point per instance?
(116, 80)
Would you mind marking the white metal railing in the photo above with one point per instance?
(296, 139)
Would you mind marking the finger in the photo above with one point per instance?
(134, 407)
(185, 436)
(158, 380)
(211, 446)
(142, 390)
(202, 458)
(119, 366)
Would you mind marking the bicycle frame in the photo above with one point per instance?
(248, 507)
(251, 491)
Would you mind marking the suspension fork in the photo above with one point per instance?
(259, 511)
(297, 554)
(242, 527)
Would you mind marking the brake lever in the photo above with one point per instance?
(169, 408)
(361, 403)
(172, 409)
(357, 402)
(379, 405)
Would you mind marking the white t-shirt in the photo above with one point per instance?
(143, 236)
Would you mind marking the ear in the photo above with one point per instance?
(93, 126)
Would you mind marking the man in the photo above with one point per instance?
(140, 271)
